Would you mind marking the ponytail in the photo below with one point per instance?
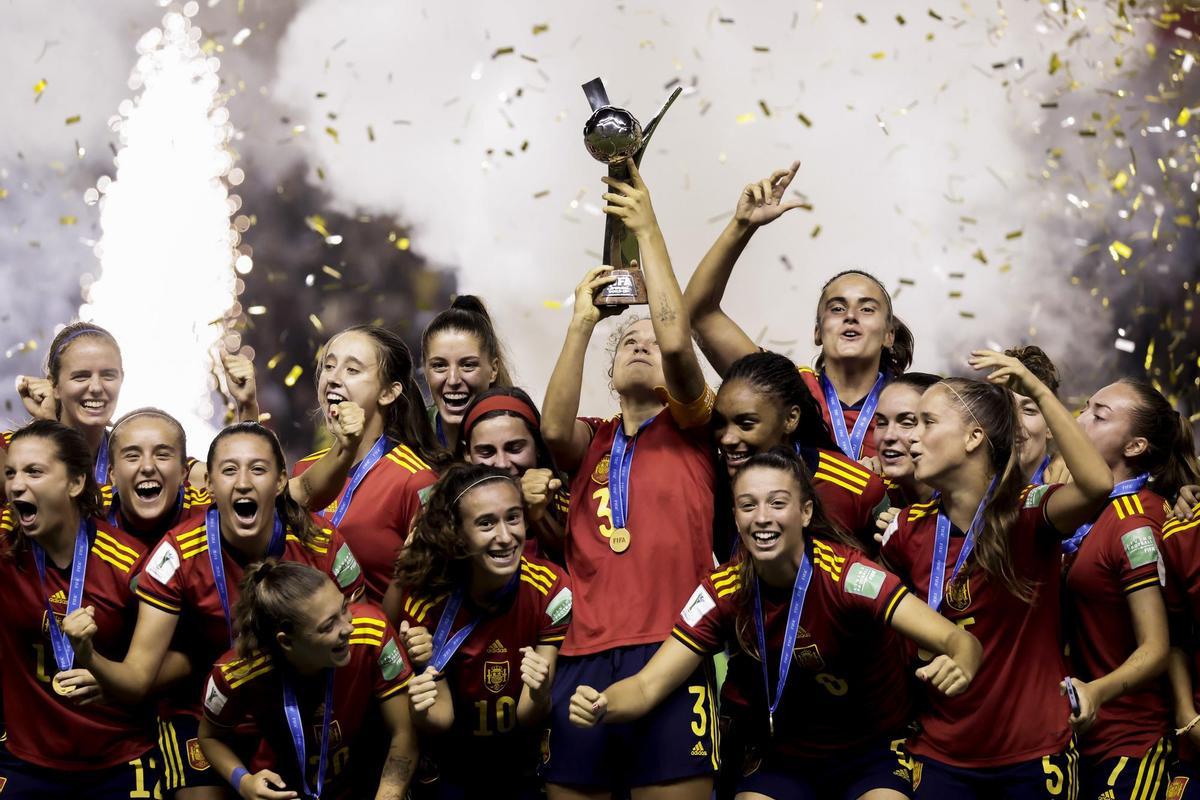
(468, 314)
(272, 598)
(1170, 455)
(892, 360)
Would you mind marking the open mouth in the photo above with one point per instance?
(148, 490)
(341, 649)
(892, 455)
(26, 512)
(333, 398)
(93, 406)
(245, 509)
(766, 538)
(456, 401)
(502, 556)
(735, 459)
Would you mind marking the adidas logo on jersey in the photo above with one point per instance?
(58, 598)
(699, 750)
(496, 647)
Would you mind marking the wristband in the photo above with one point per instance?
(1184, 730)
(235, 779)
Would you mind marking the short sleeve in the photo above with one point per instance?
(869, 588)
(223, 704)
(702, 623)
(412, 497)
(392, 669)
(892, 549)
(344, 567)
(1034, 500)
(160, 582)
(1137, 560)
(693, 414)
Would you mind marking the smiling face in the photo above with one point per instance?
(493, 522)
(895, 421)
(853, 320)
(245, 479)
(747, 421)
(38, 486)
(1035, 434)
(89, 382)
(503, 441)
(1108, 422)
(637, 361)
(350, 370)
(943, 439)
(321, 637)
(147, 468)
(771, 513)
(457, 369)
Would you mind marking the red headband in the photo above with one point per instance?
(500, 402)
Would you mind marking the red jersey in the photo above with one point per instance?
(250, 690)
(484, 675)
(1181, 552)
(1119, 556)
(670, 527)
(849, 413)
(178, 579)
(1012, 712)
(44, 728)
(846, 686)
(850, 494)
(381, 513)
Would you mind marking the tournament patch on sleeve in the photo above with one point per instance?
(699, 604)
(345, 567)
(1140, 547)
(560, 606)
(214, 700)
(391, 663)
(163, 563)
(1034, 498)
(864, 581)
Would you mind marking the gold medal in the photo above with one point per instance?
(618, 540)
(60, 688)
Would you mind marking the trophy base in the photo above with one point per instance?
(629, 289)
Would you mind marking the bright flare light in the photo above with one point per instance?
(167, 283)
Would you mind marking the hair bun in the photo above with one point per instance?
(470, 302)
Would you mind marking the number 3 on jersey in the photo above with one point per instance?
(603, 512)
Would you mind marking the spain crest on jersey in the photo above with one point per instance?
(958, 593)
(195, 755)
(809, 658)
(600, 473)
(495, 676)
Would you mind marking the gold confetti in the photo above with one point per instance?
(317, 223)
(3, 193)
(541, 194)
(67, 220)
(274, 360)
(73, 119)
(803, 119)
(370, 134)
(333, 134)
(967, 314)
(879, 55)
(502, 51)
(1121, 180)
(1119, 250)
(331, 272)
(815, 232)
(1055, 63)
(540, 28)
(316, 323)
(38, 88)
(861, 18)
(293, 375)
(760, 48)
(935, 15)
(900, 20)
(979, 256)
(743, 119)
(765, 109)
(551, 304)
(1185, 114)
(1014, 235)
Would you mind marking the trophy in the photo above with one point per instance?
(612, 135)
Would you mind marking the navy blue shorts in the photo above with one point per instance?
(1051, 777)
(885, 764)
(1185, 781)
(136, 780)
(676, 740)
(1126, 778)
(183, 763)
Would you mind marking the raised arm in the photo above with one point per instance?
(240, 381)
(127, 681)
(320, 484)
(638, 694)
(566, 436)
(1082, 499)
(719, 337)
(630, 202)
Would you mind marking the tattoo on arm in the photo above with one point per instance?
(400, 766)
(307, 487)
(667, 314)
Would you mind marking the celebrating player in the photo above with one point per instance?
(190, 582)
(461, 357)
(1036, 437)
(895, 421)
(816, 684)
(306, 672)
(63, 558)
(988, 555)
(863, 344)
(641, 499)
(497, 619)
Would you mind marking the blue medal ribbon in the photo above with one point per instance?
(212, 532)
(101, 469)
(438, 430)
(291, 711)
(1131, 486)
(941, 548)
(799, 590)
(1039, 474)
(378, 451)
(851, 443)
(445, 645)
(64, 654)
(620, 464)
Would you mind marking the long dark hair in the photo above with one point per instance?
(404, 419)
(892, 360)
(1170, 455)
(272, 597)
(468, 314)
(524, 409)
(993, 408)
(294, 516)
(63, 341)
(776, 376)
(435, 561)
(783, 460)
(72, 450)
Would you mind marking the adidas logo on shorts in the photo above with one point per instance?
(699, 750)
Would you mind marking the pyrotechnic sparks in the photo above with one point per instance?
(168, 249)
